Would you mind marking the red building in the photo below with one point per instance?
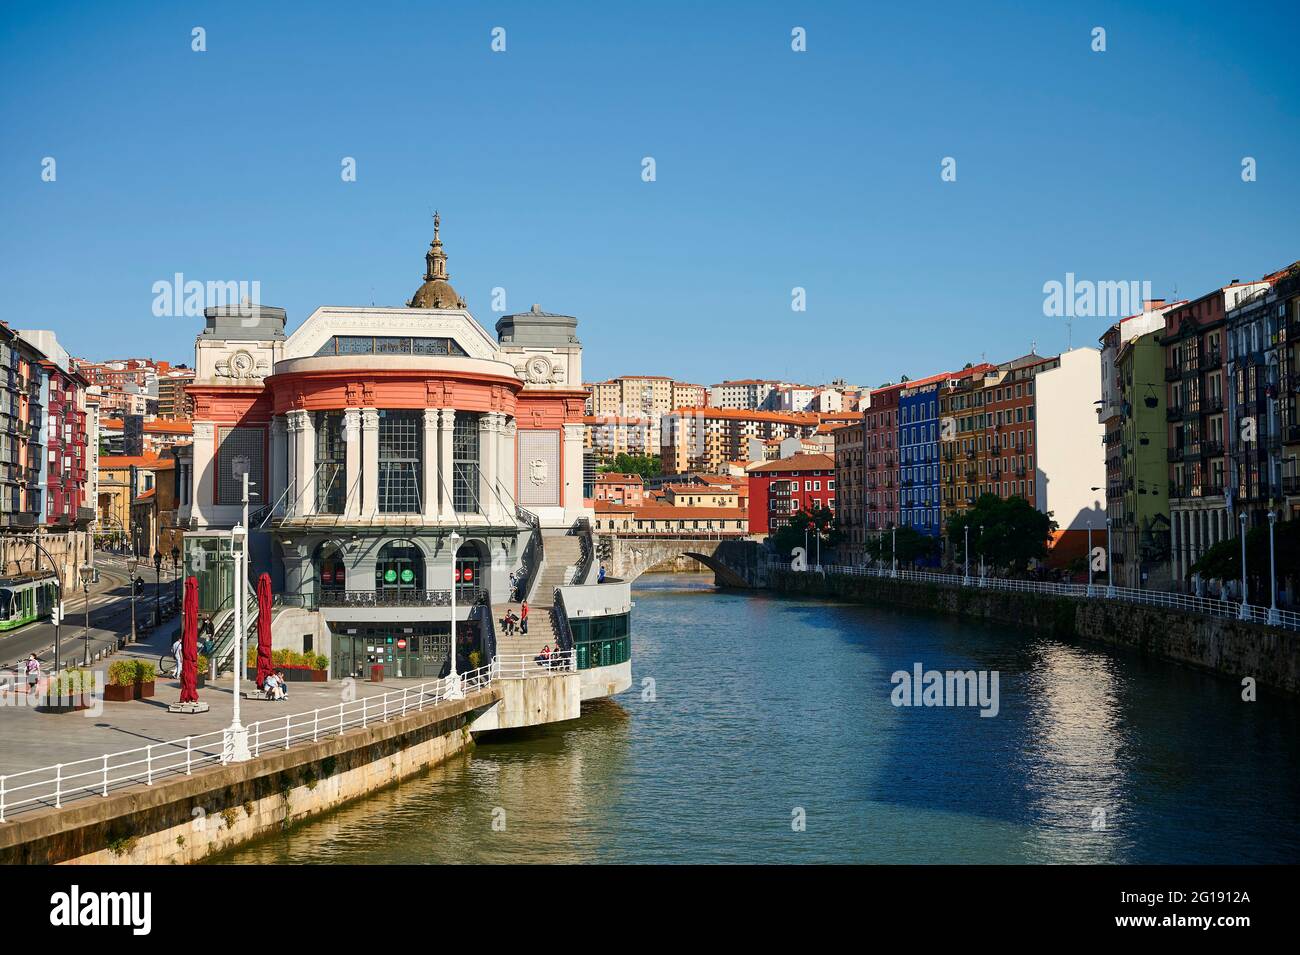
(619, 488)
(779, 489)
(65, 465)
(880, 457)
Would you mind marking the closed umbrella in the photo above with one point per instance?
(263, 628)
(190, 643)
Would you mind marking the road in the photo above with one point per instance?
(110, 617)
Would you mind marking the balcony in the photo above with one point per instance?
(1212, 404)
(1175, 454)
(1173, 414)
(465, 596)
(1211, 359)
(1173, 373)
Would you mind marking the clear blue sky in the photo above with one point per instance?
(775, 169)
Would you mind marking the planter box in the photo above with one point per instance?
(70, 704)
(144, 690)
(119, 694)
(201, 681)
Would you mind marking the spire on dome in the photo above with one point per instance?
(436, 292)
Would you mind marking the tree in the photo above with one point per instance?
(1014, 532)
(807, 525)
(645, 465)
(908, 543)
(1223, 560)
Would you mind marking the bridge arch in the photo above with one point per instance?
(627, 558)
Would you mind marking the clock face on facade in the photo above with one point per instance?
(539, 368)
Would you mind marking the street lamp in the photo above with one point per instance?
(983, 579)
(157, 587)
(132, 565)
(1272, 570)
(965, 573)
(893, 538)
(234, 747)
(87, 572)
(1110, 565)
(1245, 607)
(454, 692)
(176, 577)
(1089, 591)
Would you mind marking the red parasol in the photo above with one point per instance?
(190, 643)
(263, 628)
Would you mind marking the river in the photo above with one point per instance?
(761, 729)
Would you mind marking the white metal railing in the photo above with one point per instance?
(1286, 619)
(99, 775)
(523, 665)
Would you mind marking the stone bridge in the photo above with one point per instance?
(734, 562)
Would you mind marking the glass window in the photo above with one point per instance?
(331, 473)
(464, 453)
(400, 461)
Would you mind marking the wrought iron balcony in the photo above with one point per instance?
(394, 597)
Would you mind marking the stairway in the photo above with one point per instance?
(562, 552)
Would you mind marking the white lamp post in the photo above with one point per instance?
(1110, 564)
(983, 579)
(1272, 570)
(893, 543)
(1090, 592)
(234, 747)
(965, 574)
(1245, 606)
(454, 692)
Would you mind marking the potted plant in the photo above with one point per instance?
(121, 681)
(144, 678)
(201, 667)
(68, 691)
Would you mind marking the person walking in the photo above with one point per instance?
(600, 575)
(33, 669)
(178, 651)
(523, 618)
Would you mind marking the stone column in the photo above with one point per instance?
(293, 466)
(571, 493)
(279, 466)
(446, 505)
(204, 472)
(430, 496)
(487, 465)
(506, 467)
(352, 462)
(305, 448)
(369, 461)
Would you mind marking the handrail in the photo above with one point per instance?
(560, 621)
(582, 530)
(534, 552)
(1209, 606)
(99, 775)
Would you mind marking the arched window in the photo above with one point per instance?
(400, 567)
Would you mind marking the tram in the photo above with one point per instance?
(26, 597)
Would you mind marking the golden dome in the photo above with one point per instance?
(436, 292)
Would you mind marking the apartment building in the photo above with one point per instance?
(707, 439)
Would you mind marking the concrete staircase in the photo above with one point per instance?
(562, 552)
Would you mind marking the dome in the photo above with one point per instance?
(436, 292)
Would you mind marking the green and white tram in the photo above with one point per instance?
(26, 597)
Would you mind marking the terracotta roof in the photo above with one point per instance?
(158, 425)
(805, 418)
(109, 462)
(660, 512)
(798, 462)
(613, 477)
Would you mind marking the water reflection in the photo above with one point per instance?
(764, 708)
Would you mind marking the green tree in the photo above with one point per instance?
(910, 545)
(1009, 533)
(806, 526)
(1223, 560)
(646, 465)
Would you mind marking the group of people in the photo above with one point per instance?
(275, 687)
(513, 623)
(544, 659)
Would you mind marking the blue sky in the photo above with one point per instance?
(775, 169)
